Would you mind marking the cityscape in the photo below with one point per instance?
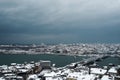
(59, 39)
(62, 49)
(85, 69)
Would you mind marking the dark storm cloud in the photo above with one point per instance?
(35, 21)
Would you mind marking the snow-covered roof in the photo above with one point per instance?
(105, 77)
(34, 76)
(51, 78)
(66, 71)
(10, 74)
(13, 64)
(18, 67)
(28, 66)
(74, 74)
(112, 70)
(87, 77)
(1, 78)
(79, 76)
(98, 71)
(44, 72)
(51, 74)
(23, 70)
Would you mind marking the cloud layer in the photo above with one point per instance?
(67, 21)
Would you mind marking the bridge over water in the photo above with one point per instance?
(88, 61)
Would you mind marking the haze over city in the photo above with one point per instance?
(59, 21)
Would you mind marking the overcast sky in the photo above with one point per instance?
(59, 21)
